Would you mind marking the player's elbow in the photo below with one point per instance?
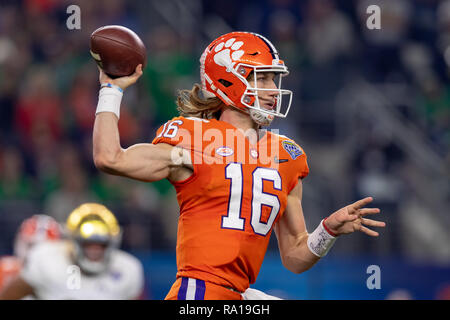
(100, 162)
(105, 162)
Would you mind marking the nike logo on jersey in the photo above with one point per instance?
(279, 160)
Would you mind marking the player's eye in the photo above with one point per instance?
(268, 76)
(262, 77)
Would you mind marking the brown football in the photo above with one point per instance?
(117, 50)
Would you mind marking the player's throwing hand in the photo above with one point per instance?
(351, 218)
(122, 82)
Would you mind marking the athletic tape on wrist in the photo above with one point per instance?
(110, 85)
(109, 99)
(320, 241)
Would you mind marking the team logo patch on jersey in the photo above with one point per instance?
(224, 151)
(294, 150)
(254, 153)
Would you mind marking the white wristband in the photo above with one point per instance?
(320, 241)
(109, 99)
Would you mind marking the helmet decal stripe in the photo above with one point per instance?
(269, 44)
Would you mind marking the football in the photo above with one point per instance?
(117, 50)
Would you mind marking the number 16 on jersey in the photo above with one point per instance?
(233, 219)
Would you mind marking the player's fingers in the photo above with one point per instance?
(137, 73)
(366, 211)
(360, 203)
(373, 223)
(368, 231)
(352, 217)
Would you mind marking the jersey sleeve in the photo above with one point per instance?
(302, 166)
(182, 132)
(295, 154)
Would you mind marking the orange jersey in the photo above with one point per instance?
(10, 267)
(230, 203)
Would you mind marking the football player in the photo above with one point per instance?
(235, 181)
(86, 266)
(32, 231)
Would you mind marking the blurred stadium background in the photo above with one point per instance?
(371, 109)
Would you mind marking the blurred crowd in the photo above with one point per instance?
(49, 87)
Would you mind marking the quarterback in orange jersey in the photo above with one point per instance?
(235, 181)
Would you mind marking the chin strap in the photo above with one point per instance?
(261, 118)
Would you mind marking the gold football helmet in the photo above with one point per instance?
(95, 232)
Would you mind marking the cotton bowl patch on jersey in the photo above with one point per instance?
(294, 150)
(224, 151)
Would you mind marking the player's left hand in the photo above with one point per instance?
(351, 218)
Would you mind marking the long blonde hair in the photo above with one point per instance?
(191, 103)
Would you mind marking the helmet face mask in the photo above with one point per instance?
(226, 65)
(92, 257)
(251, 98)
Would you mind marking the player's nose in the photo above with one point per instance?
(273, 89)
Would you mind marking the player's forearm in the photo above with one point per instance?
(299, 258)
(106, 141)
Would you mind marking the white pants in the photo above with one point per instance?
(253, 294)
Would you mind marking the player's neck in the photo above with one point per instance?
(241, 121)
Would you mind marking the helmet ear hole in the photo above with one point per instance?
(249, 100)
(225, 82)
(242, 71)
